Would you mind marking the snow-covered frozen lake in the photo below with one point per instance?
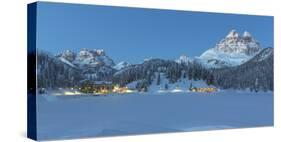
(64, 117)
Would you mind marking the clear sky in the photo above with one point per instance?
(130, 34)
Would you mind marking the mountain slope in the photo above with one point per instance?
(54, 73)
(255, 74)
(121, 65)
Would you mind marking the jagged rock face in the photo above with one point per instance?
(68, 55)
(93, 58)
(232, 50)
(87, 58)
(93, 63)
(233, 43)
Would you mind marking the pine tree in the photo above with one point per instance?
(145, 89)
(158, 79)
(190, 73)
(184, 74)
(190, 86)
(210, 80)
(256, 85)
(166, 87)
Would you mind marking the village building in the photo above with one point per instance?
(102, 87)
(96, 87)
(202, 89)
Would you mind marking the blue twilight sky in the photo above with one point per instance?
(130, 34)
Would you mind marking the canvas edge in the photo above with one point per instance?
(31, 71)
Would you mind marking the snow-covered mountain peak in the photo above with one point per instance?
(183, 59)
(84, 54)
(234, 44)
(86, 58)
(247, 35)
(100, 52)
(68, 55)
(233, 34)
(91, 53)
(232, 50)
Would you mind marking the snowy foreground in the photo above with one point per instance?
(64, 117)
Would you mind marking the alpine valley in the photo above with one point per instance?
(236, 62)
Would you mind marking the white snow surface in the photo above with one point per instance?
(121, 65)
(247, 34)
(216, 59)
(66, 62)
(182, 85)
(65, 117)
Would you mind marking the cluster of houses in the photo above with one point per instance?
(205, 89)
(103, 87)
(202, 89)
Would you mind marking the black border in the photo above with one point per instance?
(31, 71)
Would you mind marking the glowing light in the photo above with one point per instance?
(208, 89)
(129, 91)
(69, 93)
(177, 90)
(78, 93)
